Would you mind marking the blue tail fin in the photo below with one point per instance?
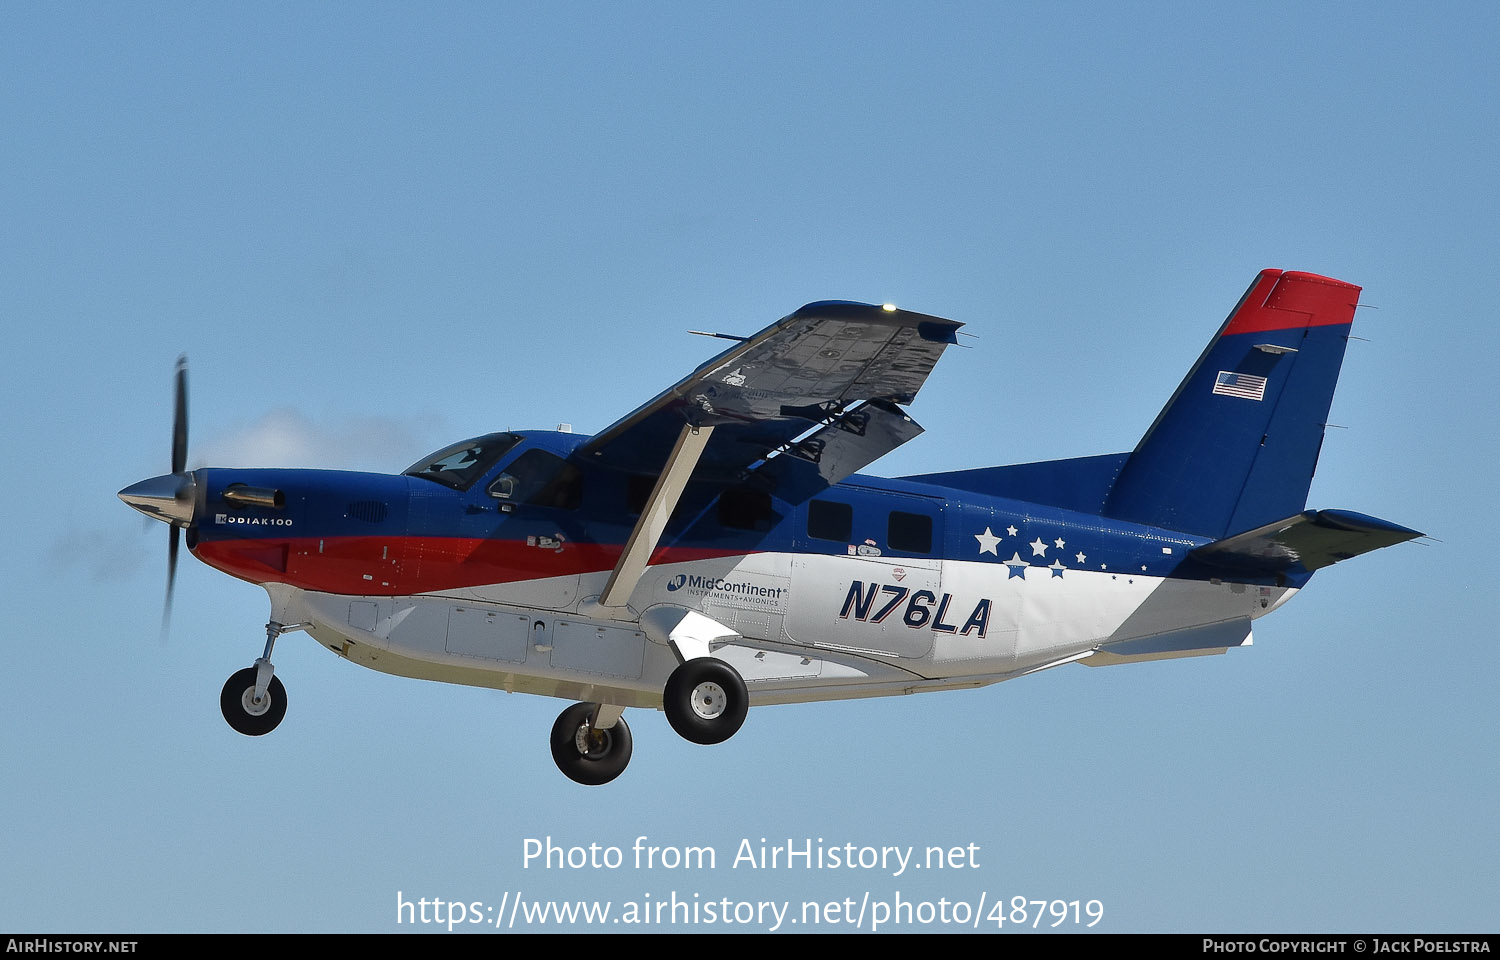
(1236, 446)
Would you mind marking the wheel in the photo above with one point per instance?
(705, 700)
(245, 715)
(586, 755)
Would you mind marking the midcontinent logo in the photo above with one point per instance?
(696, 583)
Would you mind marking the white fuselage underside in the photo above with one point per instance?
(811, 627)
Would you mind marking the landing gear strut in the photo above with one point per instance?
(586, 752)
(253, 700)
(705, 700)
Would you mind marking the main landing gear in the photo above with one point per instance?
(253, 700)
(705, 701)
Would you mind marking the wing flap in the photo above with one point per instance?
(853, 441)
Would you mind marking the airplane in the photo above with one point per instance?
(718, 548)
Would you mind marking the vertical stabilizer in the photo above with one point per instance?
(1236, 446)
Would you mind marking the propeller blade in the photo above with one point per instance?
(179, 420)
(179, 465)
(174, 535)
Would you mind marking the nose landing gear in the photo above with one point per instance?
(248, 714)
(591, 743)
(253, 700)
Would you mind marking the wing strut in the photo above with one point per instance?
(658, 510)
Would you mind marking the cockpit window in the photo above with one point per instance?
(540, 479)
(463, 463)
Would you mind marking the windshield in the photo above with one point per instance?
(459, 465)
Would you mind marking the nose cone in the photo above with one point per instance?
(169, 498)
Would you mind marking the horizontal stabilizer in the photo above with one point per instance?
(1309, 541)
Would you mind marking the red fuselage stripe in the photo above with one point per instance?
(390, 566)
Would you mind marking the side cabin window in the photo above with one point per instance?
(909, 532)
(746, 510)
(638, 487)
(827, 520)
(540, 479)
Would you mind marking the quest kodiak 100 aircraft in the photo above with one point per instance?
(716, 547)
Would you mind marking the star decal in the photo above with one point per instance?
(1079, 556)
(1017, 566)
(1038, 548)
(1011, 530)
(1057, 568)
(987, 542)
(1060, 543)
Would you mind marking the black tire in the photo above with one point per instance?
(243, 715)
(705, 700)
(607, 751)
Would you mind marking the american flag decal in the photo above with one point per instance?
(1246, 385)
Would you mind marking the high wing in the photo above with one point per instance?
(835, 368)
(812, 367)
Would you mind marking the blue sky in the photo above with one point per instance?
(376, 230)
